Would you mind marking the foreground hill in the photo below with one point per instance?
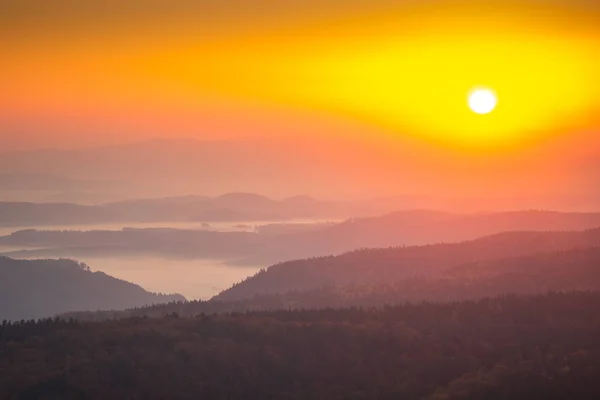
(42, 288)
(508, 348)
(376, 266)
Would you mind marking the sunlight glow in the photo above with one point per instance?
(405, 72)
(482, 101)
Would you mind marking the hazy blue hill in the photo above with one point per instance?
(162, 201)
(300, 200)
(279, 167)
(228, 207)
(155, 241)
(376, 266)
(270, 246)
(229, 215)
(417, 227)
(370, 224)
(539, 220)
(43, 288)
(249, 200)
(423, 226)
(401, 227)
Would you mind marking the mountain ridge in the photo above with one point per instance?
(396, 263)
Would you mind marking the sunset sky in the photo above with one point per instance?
(88, 73)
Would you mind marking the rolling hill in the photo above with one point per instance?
(270, 246)
(224, 208)
(380, 266)
(43, 288)
(557, 271)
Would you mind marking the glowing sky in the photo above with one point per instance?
(83, 72)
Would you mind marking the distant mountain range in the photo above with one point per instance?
(231, 207)
(331, 168)
(44, 288)
(269, 246)
(433, 256)
(178, 167)
(503, 263)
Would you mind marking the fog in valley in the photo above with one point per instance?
(195, 278)
(299, 200)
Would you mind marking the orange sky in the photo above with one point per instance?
(86, 73)
(92, 71)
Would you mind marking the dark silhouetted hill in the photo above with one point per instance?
(43, 288)
(541, 347)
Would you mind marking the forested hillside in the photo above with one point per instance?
(43, 288)
(543, 347)
(376, 266)
(561, 271)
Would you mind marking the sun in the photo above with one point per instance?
(482, 100)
